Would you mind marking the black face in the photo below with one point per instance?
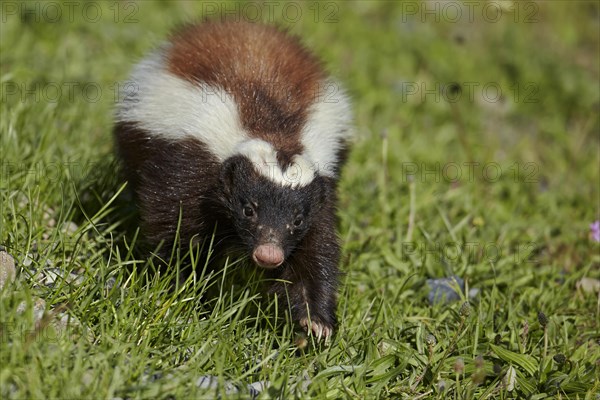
(269, 219)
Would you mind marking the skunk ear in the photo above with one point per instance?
(228, 174)
(322, 190)
(235, 171)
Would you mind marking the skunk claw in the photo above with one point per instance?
(318, 329)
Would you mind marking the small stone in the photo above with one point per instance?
(207, 382)
(444, 290)
(64, 321)
(39, 307)
(110, 283)
(212, 382)
(156, 376)
(7, 269)
(588, 285)
(230, 388)
(69, 227)
(50, 222)
(305, 381)
(28, 260)
(22, 200)
(50, 276)
(257, 387)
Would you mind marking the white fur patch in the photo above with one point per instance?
(173, 108)
(328, 128)
(300, 173)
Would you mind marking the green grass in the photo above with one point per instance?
(515, 225)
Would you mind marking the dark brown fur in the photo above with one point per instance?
(169, 178)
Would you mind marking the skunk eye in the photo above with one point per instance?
(298, 221)
(248, 211)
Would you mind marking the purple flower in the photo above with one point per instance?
(595, 231)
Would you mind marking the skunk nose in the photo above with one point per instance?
(268, 255)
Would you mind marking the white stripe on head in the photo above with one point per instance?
(170, 107)
(328, 128)
(263, 157)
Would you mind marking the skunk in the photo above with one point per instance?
(234, 129)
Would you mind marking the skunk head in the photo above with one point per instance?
(270, 218)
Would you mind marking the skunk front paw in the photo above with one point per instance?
(317, 328)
